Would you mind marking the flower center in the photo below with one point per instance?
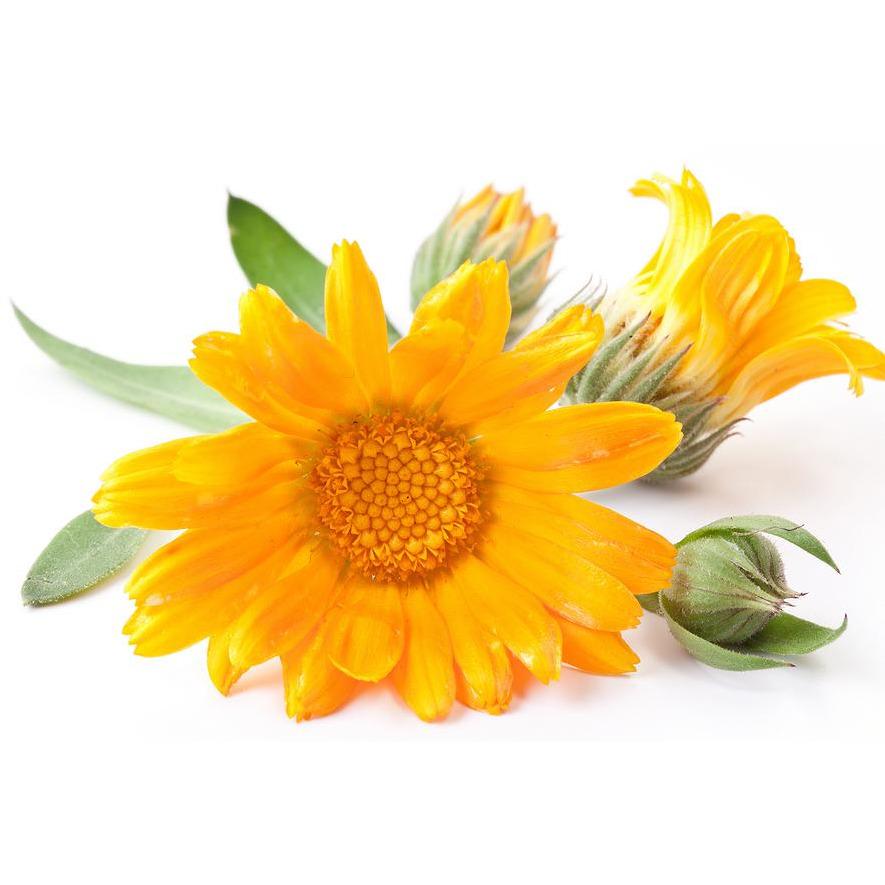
(398, 495)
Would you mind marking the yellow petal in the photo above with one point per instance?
(507, 610)
(425, 676)
(596, 651)
(484, 676)
(476, 297)
(744, 275)
(801, 308)
(355, 319)
(365, 629)
(563, 579)
(641, 559)
(285, 613)
(581, 448)
(688, 231)
(314, 686)
(825, 352)
(528, 379)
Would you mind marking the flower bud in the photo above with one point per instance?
(726, 588)
(491, 225)
(727, 594)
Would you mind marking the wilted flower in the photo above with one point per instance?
(727, 595)
(718, 321)
(491, 225)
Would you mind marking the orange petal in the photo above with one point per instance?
(641, 559)
(284, 614)
(227, 364)
(314, 686)
(425, 676)
(583, 447)
(564, 580)
(242, 454)
(476, 297)
(596, 651)
(365, 629)
(484, 676)
(220, 481)
(221, 671)
(195, 586)
(355, 319)
(528, 379)
(423, 364)
(292, 356)
(507, 610)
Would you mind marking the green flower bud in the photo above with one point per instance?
(726, 588)
(727, 594)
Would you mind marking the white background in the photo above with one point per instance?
(123, 127)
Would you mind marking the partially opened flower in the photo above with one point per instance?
(405, 513)
(492, 225)
(718, 321)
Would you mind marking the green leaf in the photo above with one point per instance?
(80, 556)
(770, 525)
(649, 601)
(788, 635)
(715, 655)
(173, 391)
(269, 254)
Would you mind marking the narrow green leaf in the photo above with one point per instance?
(715, 655)
(80, 556)
(770, 525)
(269, 254)
(173, 391)
(788, 635)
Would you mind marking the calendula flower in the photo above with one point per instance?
(405, 513)
(491, 225)
(717, 322)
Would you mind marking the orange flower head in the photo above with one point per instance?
(406, 514)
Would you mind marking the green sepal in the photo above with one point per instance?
(691, 457)
(788, 635)
(646, 389)
(269, 254)
(650, 602)
(716, 655)
(80, 556)
(770, 525)
(172, 391)
(588, 384)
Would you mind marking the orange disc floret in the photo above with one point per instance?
(399, 495)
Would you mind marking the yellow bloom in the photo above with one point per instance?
(492, 225)
(718, 321)
(406, 513)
